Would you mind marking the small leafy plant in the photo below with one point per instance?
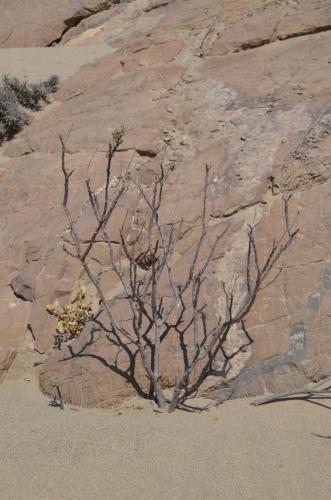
(71, 318)
(57, 400)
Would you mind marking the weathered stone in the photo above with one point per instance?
(272, 25)
(14, 315)
(7, 356)
(40, 22)
(243, 86)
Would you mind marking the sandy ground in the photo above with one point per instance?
(40, 62)
(234, 452)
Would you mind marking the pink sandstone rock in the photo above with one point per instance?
(39, 23)
(244, 88)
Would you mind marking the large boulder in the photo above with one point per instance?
(244, 88)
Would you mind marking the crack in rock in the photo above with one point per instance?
(82, 14)
(280, 38)
(233, 211)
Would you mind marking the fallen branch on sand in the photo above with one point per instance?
(304, 393)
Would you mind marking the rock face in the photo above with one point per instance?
(244, 86)
(41, 22)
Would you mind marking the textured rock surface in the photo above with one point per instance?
(36, 23)
(244, 86)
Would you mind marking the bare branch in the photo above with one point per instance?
(158, 302)
(303, 393)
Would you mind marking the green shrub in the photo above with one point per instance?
(15, 95)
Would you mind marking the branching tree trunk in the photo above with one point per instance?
(181, 311)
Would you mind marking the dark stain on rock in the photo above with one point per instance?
(297, 341)
(249, 381)
(327, 279)
(314, 301)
